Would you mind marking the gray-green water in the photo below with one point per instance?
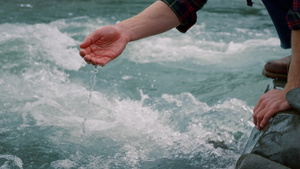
(169, 101)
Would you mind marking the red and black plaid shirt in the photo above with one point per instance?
(186, 12)
(293, 16)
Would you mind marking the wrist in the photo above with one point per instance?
(124, 31)
(292, 83)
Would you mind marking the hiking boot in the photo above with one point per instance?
(277, 69)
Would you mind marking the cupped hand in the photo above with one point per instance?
(103, 45)
(269, 104)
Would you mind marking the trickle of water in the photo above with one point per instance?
(93, 81)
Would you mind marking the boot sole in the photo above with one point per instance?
(274, 75)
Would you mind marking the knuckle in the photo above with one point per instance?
(264, 104)
(260, 116)
(254, 116)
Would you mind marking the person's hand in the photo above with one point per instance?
(103, 45)
(269, 104)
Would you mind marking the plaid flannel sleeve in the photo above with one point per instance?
(293, 16)
(185, 11)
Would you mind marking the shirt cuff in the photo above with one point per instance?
(293, 20)
(185, 11)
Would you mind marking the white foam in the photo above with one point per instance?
(172, 125)
(252, 43)
(44, 42)
(145, 131)
(17, 162)
(26, 6)
(162, 48)
(63, 164)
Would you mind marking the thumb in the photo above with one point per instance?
(89, 39)
(97, 34)
(86, 42)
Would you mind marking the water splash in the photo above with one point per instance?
(166, 130)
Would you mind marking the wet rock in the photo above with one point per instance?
(278, 144)
(279, 141)
(293, 98)
(218, 144)
(254, 161)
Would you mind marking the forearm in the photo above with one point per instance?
(155, 19)
(294, 70)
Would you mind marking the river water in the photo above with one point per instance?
(169, 101)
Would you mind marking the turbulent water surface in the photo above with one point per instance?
(169, 101)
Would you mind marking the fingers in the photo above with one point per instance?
(260, 106)
(269, 104)
(82, 53)
(261, 117)
(97, 61)
(257, 118)
(96, 57)
(263, 111)
(266, 118)
(87, 58)
(100, 61)
(85, 51)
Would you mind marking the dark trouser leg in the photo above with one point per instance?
(277, 10)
